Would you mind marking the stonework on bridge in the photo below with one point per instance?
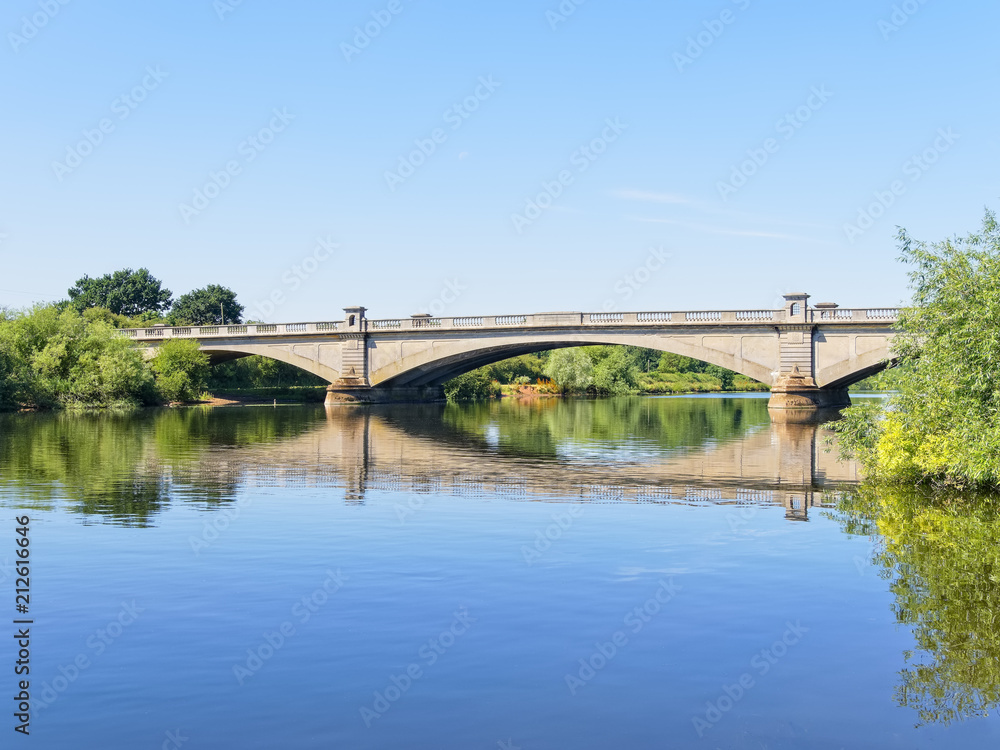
(809, 355)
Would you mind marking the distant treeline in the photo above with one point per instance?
(68, 354)
(598, 371)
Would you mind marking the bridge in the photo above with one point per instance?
(808, 354)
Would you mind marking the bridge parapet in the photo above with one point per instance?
(158, 332)
(690, 318)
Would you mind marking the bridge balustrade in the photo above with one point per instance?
(607, 317)
(836, 314)
(702, 316)
(883, 314)
(653, 317)
(539, 320)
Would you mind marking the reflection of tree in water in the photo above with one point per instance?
(125, 466)
(538, 428)
(942, 559)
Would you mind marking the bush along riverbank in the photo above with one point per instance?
(940, 427)
(69, 354)
(63, 358)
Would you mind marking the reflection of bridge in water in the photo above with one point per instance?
(367, 451)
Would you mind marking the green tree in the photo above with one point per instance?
(572, 369)
(260, 372)
(616, 374)
(181, 370)
(679, 363)
(472, 386)
(125, 292)
(726, 377)
(51, 357)
(207, 306)
(941, 426)
(645, 360)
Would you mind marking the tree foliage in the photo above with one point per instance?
(51, 357)
(941, 556)
(942, 425)
(472, 386)
(207, 306)
(571, 369)
(616, 372)
(125, 292)
(181, 369)
(260, 372)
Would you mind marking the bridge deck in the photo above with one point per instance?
(665, 319)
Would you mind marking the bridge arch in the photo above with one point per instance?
(442, 361)
(844, 374)
(301, 360)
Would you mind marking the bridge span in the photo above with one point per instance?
(808, 354)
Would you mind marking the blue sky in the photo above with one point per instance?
(685, 155)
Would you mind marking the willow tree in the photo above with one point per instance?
(941, 426)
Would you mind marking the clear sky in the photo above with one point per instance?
(492, 157)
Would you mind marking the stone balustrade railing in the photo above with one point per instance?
(248, 329)
(538, 320)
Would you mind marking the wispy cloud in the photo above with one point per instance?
(709, 208)
(731, 232)
(648, 197)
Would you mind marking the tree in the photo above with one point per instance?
(572, 369)
(646, 360)
(616, 374)
(181, 370)
(125, 292)
(941, 426)
(472, 386)
(726, 377)
(51, 357)
(207, 306)
(679, 363)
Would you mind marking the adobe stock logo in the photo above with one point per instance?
(900, 16)
(786, 126)
(713, 29)
(363, 35)
(30, 26)
(455, 116)
(914, 168)
(122, 106)
(250, 148)
(582, 158)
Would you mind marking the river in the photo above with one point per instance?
(640, 572)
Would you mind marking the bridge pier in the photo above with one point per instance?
(795, 392)
(357, 394)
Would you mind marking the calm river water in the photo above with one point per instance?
(641, 573)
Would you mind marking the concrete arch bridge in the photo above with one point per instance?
(809, 355)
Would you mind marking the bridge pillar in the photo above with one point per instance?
(794, 387)
(338, 394)
(799, 392)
